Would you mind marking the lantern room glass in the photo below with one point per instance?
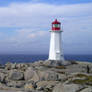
(56, 25)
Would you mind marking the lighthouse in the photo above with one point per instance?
(55, 51)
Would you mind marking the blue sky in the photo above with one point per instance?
(25, 25)
(7, 2)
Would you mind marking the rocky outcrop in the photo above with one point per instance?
(37, 75)
(89, 89)
(31, 74)
(67, 88)
(46, 76)
(15, 84)
(16, 75)
(46, 84)
(2, 77)
(56, 63)
(30, 86)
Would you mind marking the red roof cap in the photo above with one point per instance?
(56, 22)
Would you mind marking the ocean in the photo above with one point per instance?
(32, 58)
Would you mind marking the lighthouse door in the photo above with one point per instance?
(58, 55)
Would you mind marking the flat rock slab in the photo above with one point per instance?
(9, 91)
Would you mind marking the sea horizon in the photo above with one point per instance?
(28, 58)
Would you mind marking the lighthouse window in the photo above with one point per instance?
(56, 25)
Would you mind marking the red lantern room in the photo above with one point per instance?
(56, 25)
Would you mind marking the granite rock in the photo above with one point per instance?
(16, 75)
(67, 88)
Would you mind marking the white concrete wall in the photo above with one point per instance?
(55, 51)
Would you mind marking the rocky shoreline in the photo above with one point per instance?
(46, 76)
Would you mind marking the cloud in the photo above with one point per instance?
(26, 35)
(27, 14)
(33, 22)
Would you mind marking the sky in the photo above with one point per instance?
(25, 25)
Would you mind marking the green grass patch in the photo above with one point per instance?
(87, 80)
(81, 75)
(60, 67)
(78, 81)
(57, 67)
(61, 72)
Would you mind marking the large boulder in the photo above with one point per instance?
(31, 74)
(89, 89)
(38, 63)
(2, 77)
(48, 75)
(62, 77)
(15, 84)
(16, 75)
(8, 66)
(67, 88)
(46, 84)
(37, 75)
(52, 76)
(3, 87)
(13, 66)
(22, 66)
(30, 86)
(28, 73)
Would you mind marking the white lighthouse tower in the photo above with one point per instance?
(55, 51)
